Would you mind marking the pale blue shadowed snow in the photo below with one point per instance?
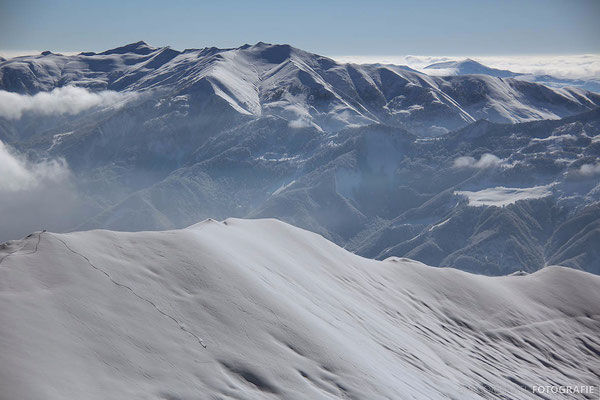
(501, 196)
(284, 314)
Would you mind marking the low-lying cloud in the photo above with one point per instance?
(16, 173)
(64, 100)
(590, 169)
(487, 160)
(299, 123)
(35, 195)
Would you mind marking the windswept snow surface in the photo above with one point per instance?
(284, 314)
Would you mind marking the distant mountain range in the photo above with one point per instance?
(304, 88)
(488, 174)
(471, 67)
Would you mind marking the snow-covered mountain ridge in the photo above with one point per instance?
(283, 314)
(470, 67)
(140, 138)
(304, 88)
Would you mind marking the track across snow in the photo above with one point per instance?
(284, 314)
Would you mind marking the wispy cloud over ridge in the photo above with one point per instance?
(590, 169)
(486, 160)
(35, 195)
(17, 173)
(63, 100)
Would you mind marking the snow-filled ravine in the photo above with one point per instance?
(501, 196)
(258, 309)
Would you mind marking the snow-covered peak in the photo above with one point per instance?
(472, 67)
(140, 47)
(469, 67)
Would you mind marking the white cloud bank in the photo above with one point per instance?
(582, 66)
(590, 169)
(16, 173)
(35, 195)
(487, 160)
(65, 100)
(299, 123)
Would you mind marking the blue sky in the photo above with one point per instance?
(483, 27)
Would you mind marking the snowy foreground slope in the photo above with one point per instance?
(284, 314)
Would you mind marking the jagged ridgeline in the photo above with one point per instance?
(381, 159)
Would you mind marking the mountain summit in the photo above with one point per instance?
(471, 67)
(140, 47)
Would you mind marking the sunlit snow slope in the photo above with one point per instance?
(284, 314)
